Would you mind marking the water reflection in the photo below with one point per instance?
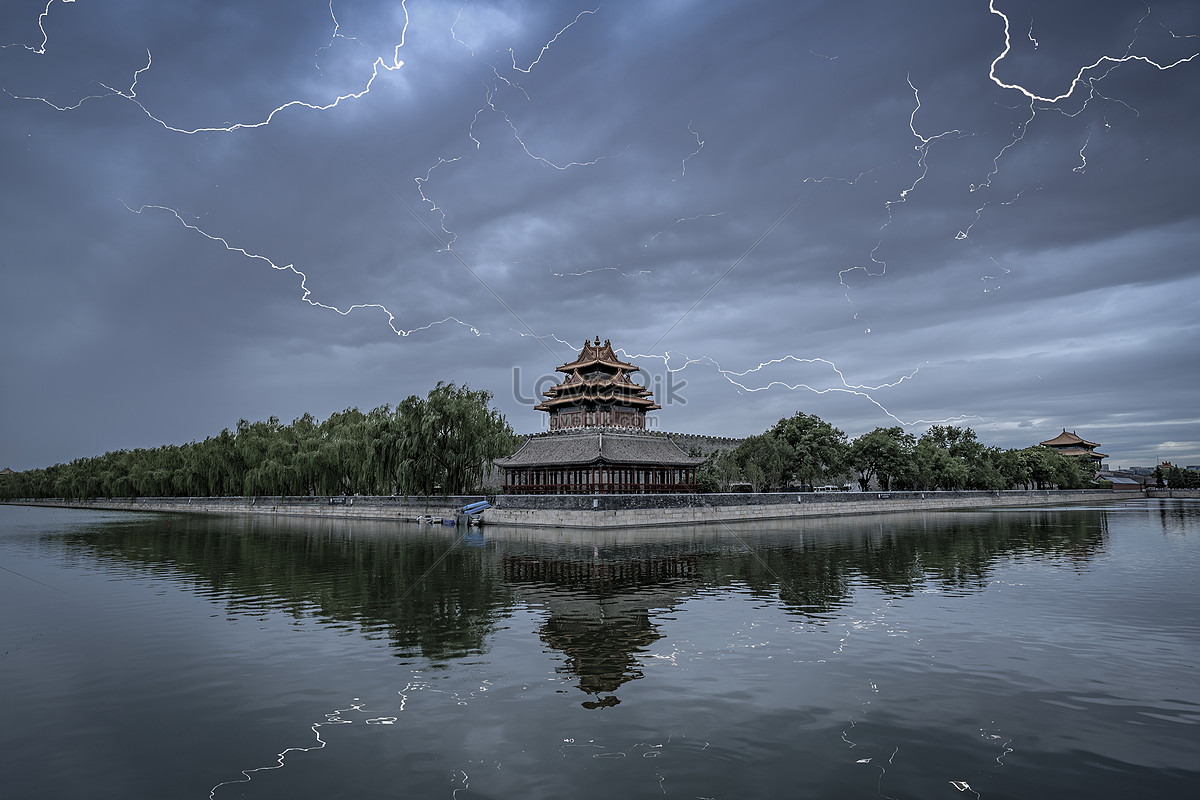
(440, 594)
(599, 609)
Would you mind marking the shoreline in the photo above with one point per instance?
(610, 511)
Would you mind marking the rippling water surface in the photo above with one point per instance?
(1022, 654)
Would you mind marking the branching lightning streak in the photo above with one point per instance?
(966, 234)
(986, 278)
(375, 68)
(922, 161)
(453, 35)
(516, 135)
(696, 152)
(859, 390)
(847, 181)
(616, 269)
(1078, 79)
(874, 260)
(548, 44)
(433, 206)
(40, 49)
(1082, 158)
(542, 337)
(1164, 27)
(306, 297)
(332, 37)
(922, 148)
(679, 220)
(131, 95)
(1103, 67)
(1021, 129)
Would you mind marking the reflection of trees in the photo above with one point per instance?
(429, 593)
(1176, 517)
(423, 592)
(899, 553)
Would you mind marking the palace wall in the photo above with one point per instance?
(630, 511)
(606, 511)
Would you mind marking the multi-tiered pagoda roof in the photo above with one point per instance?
(1070, 444)
(597, 441)
(598, 390)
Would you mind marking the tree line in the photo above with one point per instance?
(1168, 475)
(440, 444)
(807, 450)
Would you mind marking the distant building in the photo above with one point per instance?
(1068, 444)
(598, 442)
(7, 471)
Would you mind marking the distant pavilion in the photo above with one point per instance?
(598, 442)
(1069, 444)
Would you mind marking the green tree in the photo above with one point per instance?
(764, 461)
(818, 449)
(882, 454)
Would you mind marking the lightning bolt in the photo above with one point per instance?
(433, 206)
(39, 49)
(1082, 158)
(696, 152)
(679, 220)
(986, 278)
(616, 269)
(131, 95)
(453, 35)
(859, 390)
(517, 136)
(923, 148)
(1088, 75)
(307, 293)
(1113, 61)
(332, 37)
(548, 44)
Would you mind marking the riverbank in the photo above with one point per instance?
(601, 511)
(646, 510)
(403, 509)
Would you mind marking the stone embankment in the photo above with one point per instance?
(394, 508)
(603, 511)
(629, 511)
(1190, 494)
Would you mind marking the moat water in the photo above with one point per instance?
(1001, 654)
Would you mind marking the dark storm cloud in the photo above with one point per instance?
(1034, 273)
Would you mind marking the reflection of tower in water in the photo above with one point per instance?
(599, 610)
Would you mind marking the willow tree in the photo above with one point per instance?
(447, 441)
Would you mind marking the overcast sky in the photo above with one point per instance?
(909, 211)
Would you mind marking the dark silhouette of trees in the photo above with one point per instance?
(444, 443)
(805, 449)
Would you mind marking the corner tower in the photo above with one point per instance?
(598, 391)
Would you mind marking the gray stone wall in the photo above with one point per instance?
(397, 508)
(626, 511)
(605, 511)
